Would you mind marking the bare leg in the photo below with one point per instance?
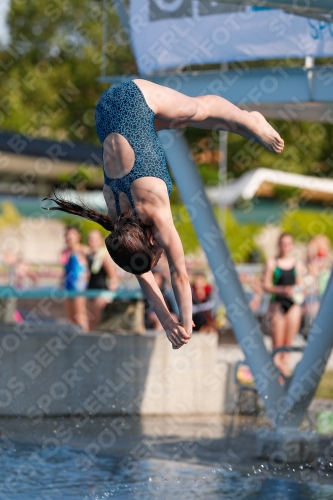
(80, 313)
(209, 111)
(220, 114)
(225, 127)
(68, 306)
(278, 327)
(95, 308)
(293, 323)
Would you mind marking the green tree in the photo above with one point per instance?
(308, 151)
(49, 87)
(240, 237)
(9, 215)
(50, 69)
(305, 224)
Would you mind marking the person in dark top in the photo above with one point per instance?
(202, 304)
(103, 275)
(97, 280)
(281, 278)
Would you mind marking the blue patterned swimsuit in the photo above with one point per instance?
(123, 109)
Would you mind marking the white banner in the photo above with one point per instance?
(175, 33)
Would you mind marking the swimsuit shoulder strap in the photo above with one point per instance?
(276, 274)
(117, 186)
(116, 199)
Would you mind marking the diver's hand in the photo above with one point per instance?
(189, 334)
(176, 334)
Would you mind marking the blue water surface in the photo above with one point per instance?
(36, 473)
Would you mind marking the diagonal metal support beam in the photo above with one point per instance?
(125, 21)
(245, 325)
(123, 15)
(311, 367)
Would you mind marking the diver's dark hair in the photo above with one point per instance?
(128, 242)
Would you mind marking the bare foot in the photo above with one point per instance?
(266, 134)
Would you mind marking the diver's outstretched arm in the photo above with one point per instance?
(168, 238)
(175, 332)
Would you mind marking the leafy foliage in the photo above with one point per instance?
(49, 87)
(52, 65)
(49, 80)
(83, 225)
(308, 150)
(285, 193)
(209, 174)
(9, 215)
(240, 237)
(305, 224)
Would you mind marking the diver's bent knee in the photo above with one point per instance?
(201, 111)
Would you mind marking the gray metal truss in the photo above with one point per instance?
(315, 9)
(284, 93)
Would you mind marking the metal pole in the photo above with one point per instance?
(308, 64)
(125, 20)
(104, 37)
(311, 368)
(223, 167)
(245, 325)
(123, 15)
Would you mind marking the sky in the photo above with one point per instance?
(4, 32)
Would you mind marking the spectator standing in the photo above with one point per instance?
(202, 304)
(75, 277)
(318, 265)
(10, 261)
(24, 276)
(281, 276)
(20, 274)
(103, 276)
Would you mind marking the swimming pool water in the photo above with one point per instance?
(31, 472)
